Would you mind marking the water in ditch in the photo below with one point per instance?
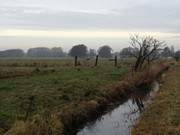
(121, 120)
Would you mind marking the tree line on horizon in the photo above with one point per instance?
(81, 51)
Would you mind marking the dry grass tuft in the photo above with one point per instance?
(37, 126)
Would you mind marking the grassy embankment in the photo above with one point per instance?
(44, 103)
(36, 88)
(163, 116)
(71, 116)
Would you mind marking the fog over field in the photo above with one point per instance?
(25, 24)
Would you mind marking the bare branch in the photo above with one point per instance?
(147, 49)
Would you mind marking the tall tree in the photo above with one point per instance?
(79, 51)
(105, 51)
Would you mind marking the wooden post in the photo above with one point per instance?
(115, 61)
(75, 61)
(96, 63)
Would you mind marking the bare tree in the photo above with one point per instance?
(147, 50)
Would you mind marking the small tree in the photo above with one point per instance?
(146, 48)
(105, 51)
(79, 50)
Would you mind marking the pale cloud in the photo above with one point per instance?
(80, 33)
(154, 15)
(88, 19)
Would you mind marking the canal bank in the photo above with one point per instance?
(123, 94)
(163, 116)
(122, 119)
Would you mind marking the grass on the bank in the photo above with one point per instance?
(32, 94)
(163, 116)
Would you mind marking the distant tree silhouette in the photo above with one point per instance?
(105, 51)
(172, 51)
(39, 52)
(12, 53)
(177, 55)
(127, 52)
(116, 53)
(92, 52)
(57, 52)
(79, 51)
(166, 52)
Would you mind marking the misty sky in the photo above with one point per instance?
(32, 23)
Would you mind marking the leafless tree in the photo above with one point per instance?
(146, 49)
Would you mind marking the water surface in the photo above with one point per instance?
(121, 120)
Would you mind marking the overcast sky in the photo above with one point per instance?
(31, 23)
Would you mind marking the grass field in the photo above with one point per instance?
(163, 116)
(29, 87)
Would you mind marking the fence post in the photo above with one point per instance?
(75, 61)
(96, 63)
(115, 61)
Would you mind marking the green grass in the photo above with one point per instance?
(52, 90)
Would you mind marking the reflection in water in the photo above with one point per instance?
(121, 120)
(139, 103)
